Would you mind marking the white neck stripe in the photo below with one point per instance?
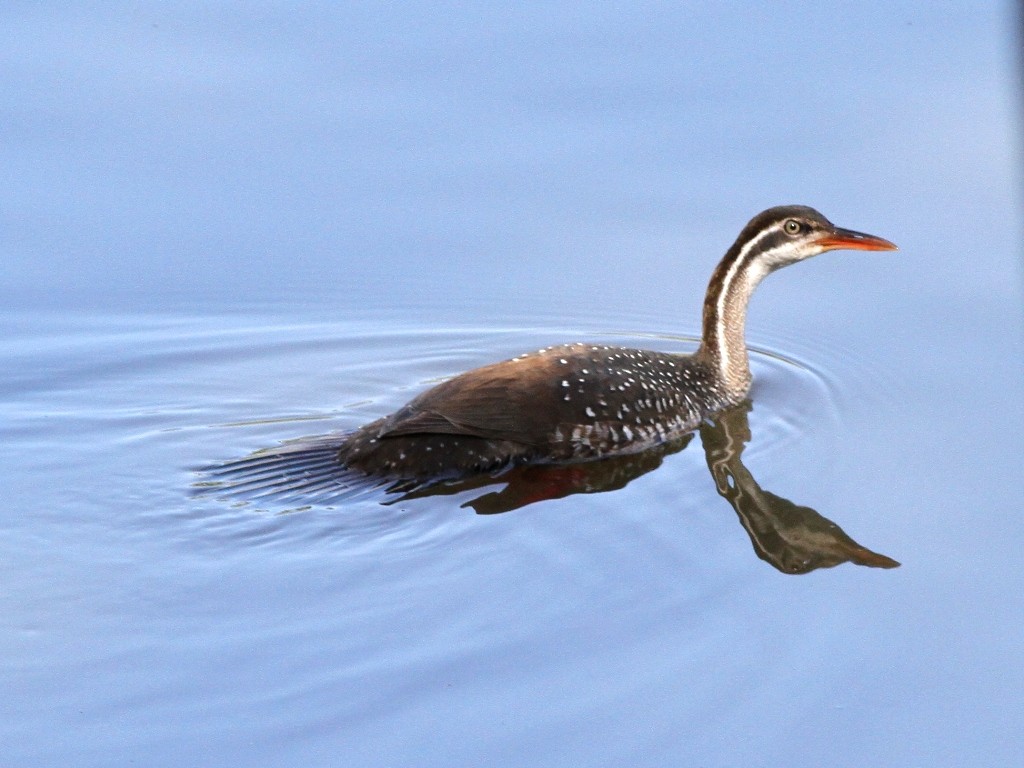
(727, 279)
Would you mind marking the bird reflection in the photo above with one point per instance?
(787, 536)
(791, 538)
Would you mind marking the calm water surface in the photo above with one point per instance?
(222, 232)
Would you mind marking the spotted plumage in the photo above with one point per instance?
(569, 403)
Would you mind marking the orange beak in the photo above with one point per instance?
(856, 241)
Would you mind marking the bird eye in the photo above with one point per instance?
(793, 227)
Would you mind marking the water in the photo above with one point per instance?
(223, 230)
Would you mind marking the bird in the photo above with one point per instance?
(582, 402)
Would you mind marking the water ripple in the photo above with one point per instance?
(349, 376)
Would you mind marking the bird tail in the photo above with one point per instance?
(307, 469)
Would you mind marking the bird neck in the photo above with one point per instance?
(725, 315)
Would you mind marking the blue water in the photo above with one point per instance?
(225, 228)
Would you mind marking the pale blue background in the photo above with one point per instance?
(226, 225)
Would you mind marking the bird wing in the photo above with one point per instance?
(513, 400)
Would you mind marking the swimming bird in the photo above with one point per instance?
(580, 402)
